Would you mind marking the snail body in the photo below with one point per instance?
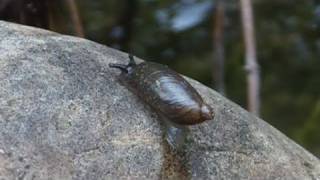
(166, 92)
(169, 94)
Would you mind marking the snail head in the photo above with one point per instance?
(123, 67)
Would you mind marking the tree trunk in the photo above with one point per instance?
(251, 65)
(75, 17)
(218, 44)
(125, 26)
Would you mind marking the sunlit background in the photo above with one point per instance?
(181, 34)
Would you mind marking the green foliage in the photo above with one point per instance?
(309, 135)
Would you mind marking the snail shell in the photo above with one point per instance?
(168, 93)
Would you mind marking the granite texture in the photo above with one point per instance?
(64, 115)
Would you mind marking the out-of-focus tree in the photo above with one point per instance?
(218, 44)
(125, 25)
(251, 66)
(75, 17)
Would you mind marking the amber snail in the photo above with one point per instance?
(168, 93)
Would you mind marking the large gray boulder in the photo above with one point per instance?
(64, 115)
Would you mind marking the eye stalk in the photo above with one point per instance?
(124, 68)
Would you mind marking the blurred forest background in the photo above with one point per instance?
(204, 39)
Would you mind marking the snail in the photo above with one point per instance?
(168, 93)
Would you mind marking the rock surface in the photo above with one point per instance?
(64, 115)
